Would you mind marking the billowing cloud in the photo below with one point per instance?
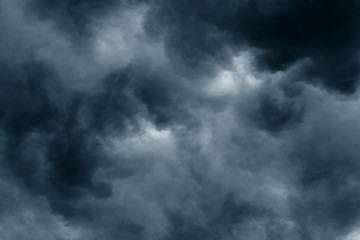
(179, 120)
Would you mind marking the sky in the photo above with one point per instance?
(179, 120)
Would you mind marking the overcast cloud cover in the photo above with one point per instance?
(179, 120)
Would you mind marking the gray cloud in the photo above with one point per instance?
(179, 120)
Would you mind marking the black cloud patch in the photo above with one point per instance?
(51, 134)
(280, 32)
(274, 114)
(43, 145)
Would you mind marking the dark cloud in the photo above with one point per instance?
(75, 16)
(329, 174)
(281, 33)
(46, 144)
(179, 120)
(275, 114)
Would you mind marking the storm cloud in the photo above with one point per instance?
(177, 119)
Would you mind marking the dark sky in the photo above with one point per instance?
(179, 120)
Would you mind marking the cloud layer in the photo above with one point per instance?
(174, 120)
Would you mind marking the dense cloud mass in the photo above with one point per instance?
(178, 119)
